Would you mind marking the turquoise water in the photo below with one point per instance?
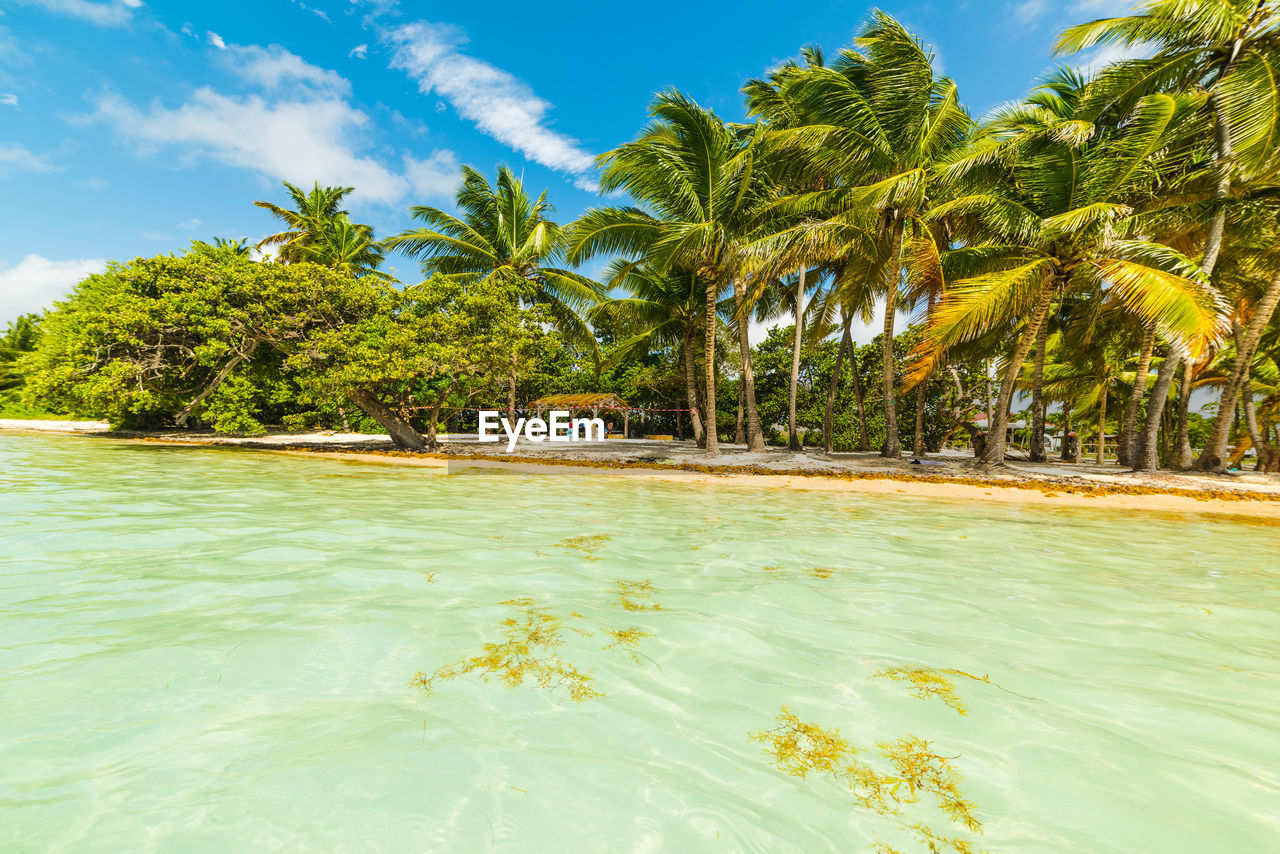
(211, 650)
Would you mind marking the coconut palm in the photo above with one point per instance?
(701, 185)
(503, 234)
(345, 246)
(868, 129)
(662, 310)
(1055, 221)
(1225, 48)
(309, 220)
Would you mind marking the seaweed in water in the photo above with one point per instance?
(587, 546)
(926, 682)
(528, 653)
(628, 639)
(637, 596)
(801, 748)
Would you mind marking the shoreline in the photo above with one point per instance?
(1004, 486)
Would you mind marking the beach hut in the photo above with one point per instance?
(580, 404)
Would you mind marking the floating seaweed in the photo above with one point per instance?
(628, 639)
(586, 545)
(801, 748)
(820, 571)
(528, 653)
(927, 682)
(637, 596)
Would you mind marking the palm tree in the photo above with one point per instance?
(1224, 47)
(308, 222)
(702, 186)
(1052, 220)
(868, 130)
(347, 247)
(663, 310)
(504, 235)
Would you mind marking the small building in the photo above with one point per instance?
(578, 405)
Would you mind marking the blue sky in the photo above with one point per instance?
(128, 127)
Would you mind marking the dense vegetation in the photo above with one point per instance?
(1102, 249)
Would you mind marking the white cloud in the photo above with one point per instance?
(436, 177)
(8, 99)
(190, 224)
(298, 140)
(216, 40)
(360, 51)
(1029, 12)
(272, 67)
(35, 282)
(109, 13)
(1092, 61)
(16, 158)
(498, 103)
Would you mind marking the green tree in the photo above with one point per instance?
(701, 185)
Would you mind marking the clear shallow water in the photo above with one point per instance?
(210, 650)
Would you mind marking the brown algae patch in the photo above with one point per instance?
(627, 639)
(529, 652)
(637, 596)
(908, 769)
(531, 649)
(926, 682)
(587, 546)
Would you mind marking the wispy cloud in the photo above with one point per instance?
(8, 99)
(17, 158)
(498, 103)
(216, 40)
(35, 282)
(108, 13)
(272, 67)
(298, 140)
(360, 51)
(435, 178)
(1029, 13)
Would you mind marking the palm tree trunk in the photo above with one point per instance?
(994, 452)
(846, 343)
(859, 399)
(755, 436)
(739, 435)
(891, 446)
(917, 438)
(691, 390)
(1215, 448)
(1102, 423)
(709, 331)
(1260, 438)
(1124, 454)
(1068, 452)
(1036, 452)
(797, 340)
(1183, 457)
(1223, 155)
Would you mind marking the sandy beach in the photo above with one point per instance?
(949, 476)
